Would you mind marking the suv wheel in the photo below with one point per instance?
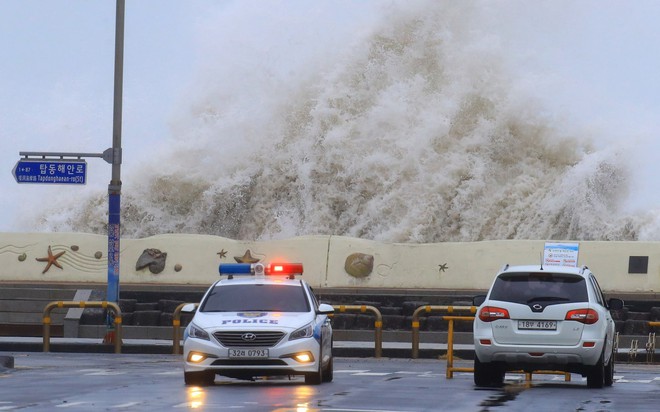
(596, 376)
(487, 374)
(609, 370)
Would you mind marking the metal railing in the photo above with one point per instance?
(81, 304)
(450, 332)
(650, 348)
(450, 339)
(378, 323)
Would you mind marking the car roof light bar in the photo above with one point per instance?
(259, 269)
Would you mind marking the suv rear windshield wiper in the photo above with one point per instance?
(548, 298)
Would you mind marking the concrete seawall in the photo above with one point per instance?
(193, 260)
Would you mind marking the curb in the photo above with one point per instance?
(344, 351)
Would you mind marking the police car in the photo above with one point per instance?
(261, 320)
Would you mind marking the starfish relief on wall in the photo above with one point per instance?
(51, 259)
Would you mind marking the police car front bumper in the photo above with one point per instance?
(299, 356)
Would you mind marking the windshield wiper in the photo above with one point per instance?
(548, 298)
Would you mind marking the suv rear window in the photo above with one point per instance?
(256, 298)
(547, 287)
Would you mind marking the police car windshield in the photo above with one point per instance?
(262, 298)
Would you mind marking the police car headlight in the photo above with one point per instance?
(197, 332)
(305, 332)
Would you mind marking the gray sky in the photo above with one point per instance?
(594, 62)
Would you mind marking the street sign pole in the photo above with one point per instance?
(114, 188)
(69, 168)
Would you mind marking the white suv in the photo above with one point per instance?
(544, 318)
(261, 320)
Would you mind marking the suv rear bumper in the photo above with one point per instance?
(539, 355)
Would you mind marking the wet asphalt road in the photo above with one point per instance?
(109, 382)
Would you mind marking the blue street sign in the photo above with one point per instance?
(58, 171)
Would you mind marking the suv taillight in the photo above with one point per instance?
(586, 316)
(491, 313)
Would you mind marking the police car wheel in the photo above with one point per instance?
(315, 378)
(203, 378)
(328, 372)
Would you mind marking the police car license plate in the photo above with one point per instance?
(248, 353)
(537, 324)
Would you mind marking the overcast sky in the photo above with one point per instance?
(599, 61)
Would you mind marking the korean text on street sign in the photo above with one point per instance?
(561, 254)
(51, 171)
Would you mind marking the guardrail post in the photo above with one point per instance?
(92, 304)
(176, 327)
(450, 332)
(650, 348)
(632, 355)
(378, 324)
(378, 339)
(450, 348)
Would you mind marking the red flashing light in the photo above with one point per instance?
(274, 269)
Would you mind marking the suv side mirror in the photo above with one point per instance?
(615, 304)
(478, 300)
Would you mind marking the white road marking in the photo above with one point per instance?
(105, 373)
(125, 405)
(70, 404)
(351, 370)
(634, 381)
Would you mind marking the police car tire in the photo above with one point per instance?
(315, 378)
(329, 371)
(202, 378)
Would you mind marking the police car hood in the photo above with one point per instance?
(212, 321)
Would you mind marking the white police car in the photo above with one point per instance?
(259, 321)
(553, 318)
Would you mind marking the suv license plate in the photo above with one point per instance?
(248, 353)
(537, 324)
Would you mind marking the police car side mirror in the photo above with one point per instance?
(189, 308)
(325, 309)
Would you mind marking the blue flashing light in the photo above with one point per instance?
(235, 269)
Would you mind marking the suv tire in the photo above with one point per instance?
(596, 374)
(487, 374)
(609, 370)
